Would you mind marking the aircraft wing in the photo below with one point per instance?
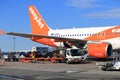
(45, 36)
(74, 41)
(20, 34)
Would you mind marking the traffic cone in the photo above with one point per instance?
(3, 61)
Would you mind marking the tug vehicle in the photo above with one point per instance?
(114, 65)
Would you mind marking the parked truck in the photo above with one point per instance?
(74, 55)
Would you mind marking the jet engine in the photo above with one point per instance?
(99, 50)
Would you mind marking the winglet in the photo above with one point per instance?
(2, 32)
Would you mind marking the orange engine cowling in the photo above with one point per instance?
(100, 50)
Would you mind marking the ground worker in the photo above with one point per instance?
(32, 55)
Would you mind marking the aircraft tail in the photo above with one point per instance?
(37, 23)
(39, 26)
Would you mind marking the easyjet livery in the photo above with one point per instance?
(100, 42)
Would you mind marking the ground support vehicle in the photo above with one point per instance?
(69, 55)
(114, 65)
(74, 55)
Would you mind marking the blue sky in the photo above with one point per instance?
(58, 14)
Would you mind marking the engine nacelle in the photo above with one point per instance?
(100, 50)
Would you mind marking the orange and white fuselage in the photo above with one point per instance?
(99, 41)
(110, 34)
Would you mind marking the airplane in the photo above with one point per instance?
(100, 42)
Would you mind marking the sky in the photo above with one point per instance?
(58, 14)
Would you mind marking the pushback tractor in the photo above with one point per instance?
(111, 66)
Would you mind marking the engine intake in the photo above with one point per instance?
(100, 50)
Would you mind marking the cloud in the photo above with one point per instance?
(104, 14)
(82, 3)
(113, 13)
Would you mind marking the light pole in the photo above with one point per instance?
(14, 44)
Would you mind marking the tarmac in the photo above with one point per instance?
(55, 71)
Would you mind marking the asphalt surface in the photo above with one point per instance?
(55, 71)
